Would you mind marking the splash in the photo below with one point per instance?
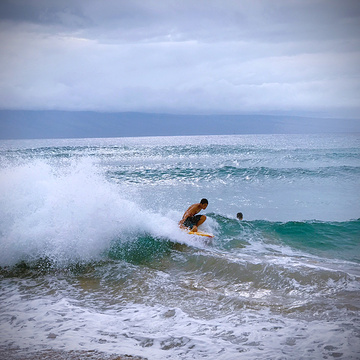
(68, 213)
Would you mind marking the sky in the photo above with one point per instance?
(299, 57)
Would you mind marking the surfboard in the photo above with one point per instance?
(200, 233)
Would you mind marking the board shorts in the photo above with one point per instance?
(191, 221)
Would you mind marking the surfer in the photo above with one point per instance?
(239, 215)
(190, 219)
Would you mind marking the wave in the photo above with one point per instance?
(66, 214)
(72, 213)
(163, 173)
(328, 239)
(201, 162)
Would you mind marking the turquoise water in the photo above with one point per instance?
(93, 264)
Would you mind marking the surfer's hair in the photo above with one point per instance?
(204, 201)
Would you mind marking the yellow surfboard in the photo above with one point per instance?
(199, 233)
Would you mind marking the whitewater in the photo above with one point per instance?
(93, 264)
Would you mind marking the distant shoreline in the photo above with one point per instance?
(52, 124)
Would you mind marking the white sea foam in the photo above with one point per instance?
(161, 332)
(69, 213)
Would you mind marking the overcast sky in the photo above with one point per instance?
(298, 57)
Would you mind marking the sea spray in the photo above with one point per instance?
(64, 214)
(70, 214)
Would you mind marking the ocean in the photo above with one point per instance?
(93, 264)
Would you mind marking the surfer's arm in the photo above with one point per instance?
(191, 211)
(186, 215)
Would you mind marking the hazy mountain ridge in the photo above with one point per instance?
(27, 124)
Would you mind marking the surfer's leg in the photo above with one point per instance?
(201, 220)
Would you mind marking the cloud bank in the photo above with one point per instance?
(204, 56)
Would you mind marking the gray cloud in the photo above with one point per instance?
(204, 56)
